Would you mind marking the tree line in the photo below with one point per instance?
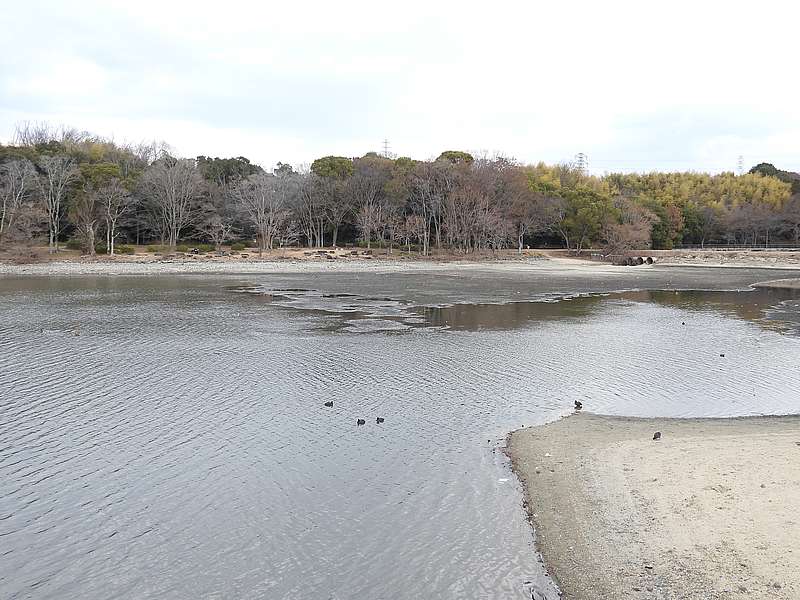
(59, 183)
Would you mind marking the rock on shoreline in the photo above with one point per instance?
(709, 511)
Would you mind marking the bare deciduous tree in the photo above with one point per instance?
(115, 201)
(366, 191)
(217, 230)
(17, 180)
(266, 200)
(311, 209)
(429, 186)
(337, 204)
(37, 133)
(173, 187)
(791, 217)
(57, 174)
(632, 231)
(85, 213)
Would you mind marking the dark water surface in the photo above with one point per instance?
(165, 437)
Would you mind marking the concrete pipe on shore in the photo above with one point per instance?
(635, 261)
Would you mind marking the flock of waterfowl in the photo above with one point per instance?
(378, 420)
(578, 406)
(657, 434)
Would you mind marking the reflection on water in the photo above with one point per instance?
(769, 308)
(167, 438)
(511, 315)
(774, 309)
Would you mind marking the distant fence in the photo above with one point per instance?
(776, 246)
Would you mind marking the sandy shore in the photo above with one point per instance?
(301, 260)
(762, 259)
(379, 265)
(125, 266)
(708, 512)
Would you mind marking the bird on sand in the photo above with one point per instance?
(657, 435)
(578, 405)
(360, 422)
(329, 404)
(379, 420)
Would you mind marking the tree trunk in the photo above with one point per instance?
(566, 239)
(90, 240)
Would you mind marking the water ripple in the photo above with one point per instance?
(169, 439)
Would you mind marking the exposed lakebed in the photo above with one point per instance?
(166, 436)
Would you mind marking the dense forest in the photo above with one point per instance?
(67, 186)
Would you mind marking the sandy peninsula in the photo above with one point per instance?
(780, 284)
(710, 511)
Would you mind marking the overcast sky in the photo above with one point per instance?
(634, 85)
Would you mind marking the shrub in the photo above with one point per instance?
(100, 248)
(122, 249)
(74, 244)
(205, 247)
(238, 247)
(156, 248)
(181, 248)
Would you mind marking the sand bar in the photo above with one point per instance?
(781, 284)
(710, 511)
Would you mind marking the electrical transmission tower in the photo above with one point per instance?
(386, 149)
(740, 165)
(582, 163)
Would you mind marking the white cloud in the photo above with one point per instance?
(635, 85)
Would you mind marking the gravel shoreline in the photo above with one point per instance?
(61, 268)
(706, 512)
(127, 267)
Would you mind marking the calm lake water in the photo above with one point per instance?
(165, 437)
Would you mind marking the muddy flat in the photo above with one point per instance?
(707, 511)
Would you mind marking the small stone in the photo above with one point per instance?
(763, 486)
